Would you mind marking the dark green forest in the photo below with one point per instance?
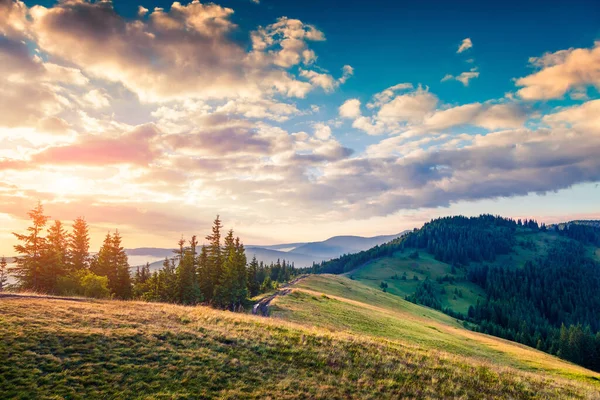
(552, 303)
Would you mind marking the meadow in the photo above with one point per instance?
(331, 338)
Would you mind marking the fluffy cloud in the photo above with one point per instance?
(185, 51)
(178, 109)
(465, 45)
(561, 72)
(350, 109)
(411, 107)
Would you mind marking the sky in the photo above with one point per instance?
(296, 121)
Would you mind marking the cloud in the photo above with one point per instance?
(350, 109)
(262, 108)
(135, 147)
(463, 78)
(561, 72)
(322, 131)
(26, 91)
(185, 51)
(326, 81)
(411, 107)
(465, 45)
(489, 116)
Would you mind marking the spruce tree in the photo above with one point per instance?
(202, 272)
(123, 289)
(79, 245)
(31, 250)
(56, 257)
(187, 283)
(253, 283)
(3, 273)
(223, 292)
(214, 264)
(112, 263)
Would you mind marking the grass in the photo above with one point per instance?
(362, 344)
(388, 268)
(529, 245)
(352, 307)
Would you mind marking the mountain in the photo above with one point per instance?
(338, 245)
(268, 256)
(346, 341)
(302, 254)
(516, 280)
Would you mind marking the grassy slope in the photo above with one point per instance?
(343, 305)
(52, 348)
(376, 271)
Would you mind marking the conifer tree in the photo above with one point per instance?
(224, 287)
(123, 288)
(187, 283)
(253, 283)
(31, 251)
(214, 264)
(79, 245)
(112, 263)
(56, 257)
(3, 273)
(168, 277)
(202, 272)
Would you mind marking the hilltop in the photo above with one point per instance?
(526, 282)
(330, 338)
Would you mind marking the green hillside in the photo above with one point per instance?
(513, 279)
(330, 338)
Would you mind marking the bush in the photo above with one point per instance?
(95, 286)
(83, 283)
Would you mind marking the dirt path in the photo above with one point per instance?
(29, 296)
(262, 307)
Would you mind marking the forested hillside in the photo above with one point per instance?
(514, 279)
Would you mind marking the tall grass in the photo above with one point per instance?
(93, 349)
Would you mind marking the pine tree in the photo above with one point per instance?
(79, 245)
(3, 273)
(56, 257)
(202, 273)
(253, 283)
(112, 263)
(168, 275)
(123, 288)
(31, 251)
(187, 283)
(241, 278)
(214, 264)
(223, 289)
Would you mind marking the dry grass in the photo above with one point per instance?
(343, 305)
(52, 348)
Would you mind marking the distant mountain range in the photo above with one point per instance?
(302, 254)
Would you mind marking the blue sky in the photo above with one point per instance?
(309, 118)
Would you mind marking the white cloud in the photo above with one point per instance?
(322, 131)
(463, 78)
(411, 107)
(350, 109)
(560, 72)
(465, 45)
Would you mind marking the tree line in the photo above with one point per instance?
(55, 261)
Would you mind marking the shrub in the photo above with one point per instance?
(83, 283)
(95, 286)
